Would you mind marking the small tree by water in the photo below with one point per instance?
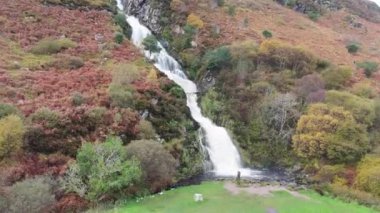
(151, 44)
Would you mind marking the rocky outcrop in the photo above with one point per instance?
(363, 8)
(149, 12)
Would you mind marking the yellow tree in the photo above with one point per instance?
(330, 133)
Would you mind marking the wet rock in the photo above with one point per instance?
(149, 12)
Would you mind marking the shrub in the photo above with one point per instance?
(146, 130)
(68, 62)
(354, 195)
(362, 109)
(231, 10)
(121, 90)
(11, 134)
(101, 170)
(195, 21)
(243, 50)
(121, 20)
(267, 34)
(77, 99)
(330, 133)
(337, 78)
(364, 90)
(8, 109)
(151, 44)
(353, 48)
(217, 58)
(220, 3)
(31, 195)
(45, 117)
(369, 67)
(328, 173)
(280, 56)
(51, 46)
(96, 115)
(314, 15)
(369, 175)
(119, 38)
(158, 165)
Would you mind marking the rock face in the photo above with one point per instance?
(363, 8)
(149, 12)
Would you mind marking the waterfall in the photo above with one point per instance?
(223, 153)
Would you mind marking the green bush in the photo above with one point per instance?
(328, 173)
(121, 90)
(8, 109)
(369, 175)
(77, 99)
(146, 130)
(217, 59)
(364, 90)
(120, 19)
(31, 195)
(220, 3)
(337, 78)
(353, 48)
(362, 109)
(11, 134)
(96, 115)
(68, 62)
(119, 38)
(267, 34)
(158, 165)
(314, 15)
(46, 117)
(369, 67)
(102, 170)
(353, 195)
(231, 10)
(151, 44)
(51, 46)
(122, 96)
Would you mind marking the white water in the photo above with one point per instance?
(223, 153)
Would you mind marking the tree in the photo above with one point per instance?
(11, 134)
(362, 109)
(158, 165)
(330, 133)
(217, 58)
(150, 44)
(280, 114)
(369, 175)
(146, 130)
(337, 77)
(310, 88)
(31, 195)
(101, 170)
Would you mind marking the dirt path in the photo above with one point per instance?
(256, 189)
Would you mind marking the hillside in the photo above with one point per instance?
(86, 120)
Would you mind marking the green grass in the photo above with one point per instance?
(219, 200)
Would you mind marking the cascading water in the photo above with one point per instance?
(223, 154)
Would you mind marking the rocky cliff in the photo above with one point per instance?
(149, 12)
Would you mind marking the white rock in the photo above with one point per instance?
(198, 197)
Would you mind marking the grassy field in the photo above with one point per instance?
(217, 199)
